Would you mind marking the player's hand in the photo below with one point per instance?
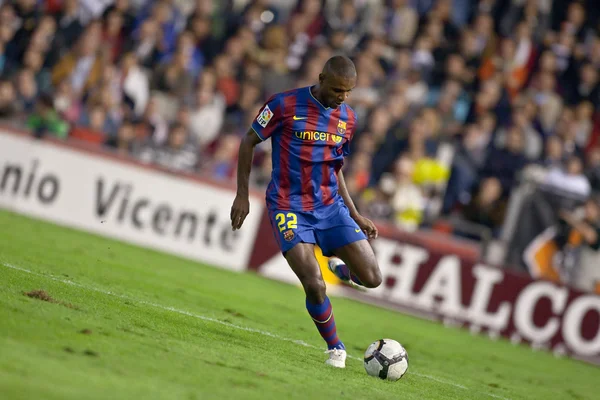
(367, 226)
(239, 211)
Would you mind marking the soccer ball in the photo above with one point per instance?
(386, 359)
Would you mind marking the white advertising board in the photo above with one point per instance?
(124, 201)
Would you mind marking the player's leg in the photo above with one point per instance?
(341, 236)
(341, 270)
(303, 262)
(358, 263)
(294, 233)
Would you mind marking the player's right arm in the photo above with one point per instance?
(241, 204)
(268, 121)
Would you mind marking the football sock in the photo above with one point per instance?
(343, 272)
(322, 315)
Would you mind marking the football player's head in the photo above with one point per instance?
(337, 80)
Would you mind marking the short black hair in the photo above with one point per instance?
(46, 100)
(341, 66)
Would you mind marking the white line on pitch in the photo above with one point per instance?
(496, 396)
(217, 321)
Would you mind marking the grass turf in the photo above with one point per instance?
(128, 323)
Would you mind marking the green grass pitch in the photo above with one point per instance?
(129, 323)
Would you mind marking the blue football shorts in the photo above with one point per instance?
(330, 227)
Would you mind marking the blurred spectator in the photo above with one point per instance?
(488, 206)
(125, 142)
(124, 9)
(535, 13)
(69, 24)
(511, 61)
(402, 23)
(153, 123)
(421, 148)
(365, 95)
(532, 147)
(96, 119)
(583, 123)
(82, 67)
(225, 79)
(34, 61)
(487, 123)
(588, 88)
(173, 77)
(576, 19)
(554, 155)
(375, 202)
(450, 13)
(145, 43)
(486, 37)
(183, 117)
(112, 35)
(66, 103)
(407, 201)
(195, 59)
(275, 60)
(206, 114)
(179, 153)
(578, 233)
(468, 161)
(548, 101)
(355, 18)
(305, 24)
(417, 90)
(8, 100)
(357, 179)
(503, 163)
(26, 19)
(222, 165)
(490, 98)
(250, 96)
(169, 21)
(387, 143)
(46, 121)
(201, 28)
(135, 83)
(27, 90)
(569, 179)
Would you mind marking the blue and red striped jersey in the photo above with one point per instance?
(309, 143)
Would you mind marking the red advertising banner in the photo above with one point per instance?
(440, 279)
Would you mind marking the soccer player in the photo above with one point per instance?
(307, 200)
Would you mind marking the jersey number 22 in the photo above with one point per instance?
(289, 219)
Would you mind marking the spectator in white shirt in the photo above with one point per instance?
(570, 179)
(206, 116)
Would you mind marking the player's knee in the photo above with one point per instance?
(315, 289)
(372, 278)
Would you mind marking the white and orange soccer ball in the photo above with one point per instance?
(386, 359)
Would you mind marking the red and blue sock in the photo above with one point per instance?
(343, 272)
(322, 315)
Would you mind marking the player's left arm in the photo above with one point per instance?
(364, 223)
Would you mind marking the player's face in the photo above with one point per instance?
(335, 90)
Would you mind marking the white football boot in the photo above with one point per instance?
(333, 263)
(337, 358)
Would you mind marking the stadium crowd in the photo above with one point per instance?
(455, 98)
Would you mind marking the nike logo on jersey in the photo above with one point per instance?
(297, 118)
(357, 230)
